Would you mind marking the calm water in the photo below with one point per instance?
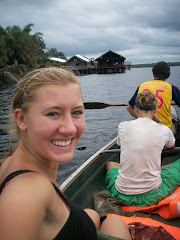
(101, 124)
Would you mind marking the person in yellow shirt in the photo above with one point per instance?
(164, 91)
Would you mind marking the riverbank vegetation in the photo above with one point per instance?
(152, 64)
(21, 51)
(20, 45)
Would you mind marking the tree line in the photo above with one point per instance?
(20, 45)
(152, 64)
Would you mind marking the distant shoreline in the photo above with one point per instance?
(152, 64)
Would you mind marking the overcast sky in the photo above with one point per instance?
(142, 31)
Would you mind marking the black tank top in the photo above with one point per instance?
(79, 225)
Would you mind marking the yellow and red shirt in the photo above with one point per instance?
(165, 93)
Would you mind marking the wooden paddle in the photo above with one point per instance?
(99, 105)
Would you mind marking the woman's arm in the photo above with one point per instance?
(131, 110)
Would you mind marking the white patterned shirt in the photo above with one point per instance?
(142, 141)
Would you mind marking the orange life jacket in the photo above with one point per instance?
(174, 231)
(168, 208)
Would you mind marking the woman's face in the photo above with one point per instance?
(55, 123)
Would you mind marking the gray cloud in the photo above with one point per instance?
(140, 30)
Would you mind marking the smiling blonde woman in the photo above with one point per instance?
(47, 115)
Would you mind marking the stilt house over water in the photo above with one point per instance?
(110, 62)
(81, 64)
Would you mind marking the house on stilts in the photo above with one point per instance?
(110, 62)
(81, 65)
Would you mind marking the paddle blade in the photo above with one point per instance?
(80, 148)
(95, 105)
(99, 105)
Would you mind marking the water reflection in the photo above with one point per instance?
(6, 93)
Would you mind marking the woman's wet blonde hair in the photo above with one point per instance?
(27, 88)
(147, 100)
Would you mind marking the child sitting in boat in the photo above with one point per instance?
(139, 179)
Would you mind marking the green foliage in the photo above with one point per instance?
(18, 44)
(54, 53)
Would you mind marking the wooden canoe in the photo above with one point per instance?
(90, 176)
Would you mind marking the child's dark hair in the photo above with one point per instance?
(161, 70)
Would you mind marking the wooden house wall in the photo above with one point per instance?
(78, 64)
(110, 62)
(110, 59)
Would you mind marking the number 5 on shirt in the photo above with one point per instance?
(159, 97)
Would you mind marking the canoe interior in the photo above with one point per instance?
(91, 178)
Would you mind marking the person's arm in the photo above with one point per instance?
(172, 146)
(176, 95)
(170, 143)
(131, 110)
(157, 119)
(130, 106)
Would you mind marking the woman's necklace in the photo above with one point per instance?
(44, 166)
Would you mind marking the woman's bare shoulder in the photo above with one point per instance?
(28, 187)
(24, 202)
